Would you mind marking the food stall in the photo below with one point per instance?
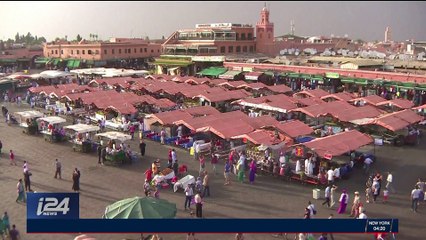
(26, 120)
(82, 136)
(52, 128)
(163, 177)
(114, 153)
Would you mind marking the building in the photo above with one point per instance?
(101, 53)
(211, 40)
(388, 35)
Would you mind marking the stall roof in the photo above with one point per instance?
(115, 136)
(168, 118)
(397, 120)
(226, 130)
(253, 76)
(262, 121)
(233, 84)
(30, 114)
(342, 96)
(262, 137)
(52, 119)
(256, 86)
(400, 103)
(356, 113)
(278, 103)
(308, 101)
(212, 71)
(202, 111)
(319, 93)
(204, 122)
(371, 99)
(229, 74)
(420, 107)
(279, 88)
(83, 128)
(294, 128)
(339, 144)
(225, 96)
(325, 108)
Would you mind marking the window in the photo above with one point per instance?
(53, 51)
(78, 51)
(113, 51)
(152, 50)
(245, 49)
(89, 51)
(129, 50)
(56, 51)
(250, 36)
(62, 51)
(140, 50)
(230, 49)
(251, 49)
(238, 36)
(119, 51)
(260, 35)
(222, 49)
(145, 49)
(243, 36)
(72, 51)
(83, 51)
(269, 36)
(238, 49)
(158, 50)
(134, 50)
(105, 52)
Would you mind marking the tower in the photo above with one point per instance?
(292, 27)
(264, 33)
(388, 35)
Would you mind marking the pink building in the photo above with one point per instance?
(212, 39)
(115, 49)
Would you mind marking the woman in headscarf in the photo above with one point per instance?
(241, 168)
(76, 180)
(344, 199)
(252, 175)
(21, 191)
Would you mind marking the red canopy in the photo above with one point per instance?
(342, 96)
(400, 103)
(279, 88)
(398, 120)
(338, 144)
(312, 93)
(294, 128)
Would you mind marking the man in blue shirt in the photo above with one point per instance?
(227, 172)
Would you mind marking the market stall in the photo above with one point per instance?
(27, 120)
(163, 178)
(82, 137)
(115, 154)
(322, 153)
(52, 128)
(183, 182)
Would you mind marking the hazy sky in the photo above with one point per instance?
(366, 20)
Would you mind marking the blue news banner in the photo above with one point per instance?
(59, 213)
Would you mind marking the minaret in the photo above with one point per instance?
(388, 35)
(292, 27)
(264, 32)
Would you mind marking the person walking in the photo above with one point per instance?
(198, 205)
(367, 163)
(252, 172)
(6, 223)
(421, 184)
(227, 172)
(189, 193)
(389, 183)
(14, 234)
(174, 156)
(332, 191)
(58, 167)
(27, 180)
(307, 214)
(1, 146)
(344, 199)
(214, 162)
(21, 192)
(415, 196)
(146, 188)
(103, 155)
(99, 153)
(355, 205)
(375, 189)
(162, 136)
(176, 168)
(312, 209)
(76, 180)
(206, 185)
(202, 163)
(327, 193)
(12, 158)
(241, 168)
(142, 146)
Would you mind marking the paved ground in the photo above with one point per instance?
(269, 197)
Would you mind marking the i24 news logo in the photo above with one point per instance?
(50, 206)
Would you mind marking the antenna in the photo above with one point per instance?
(292, 27)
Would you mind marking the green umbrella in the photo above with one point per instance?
(140, 207)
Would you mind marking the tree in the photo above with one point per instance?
(147, 38)
(17, 37)
(42, 40)
(163, 37)
(79, 38)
